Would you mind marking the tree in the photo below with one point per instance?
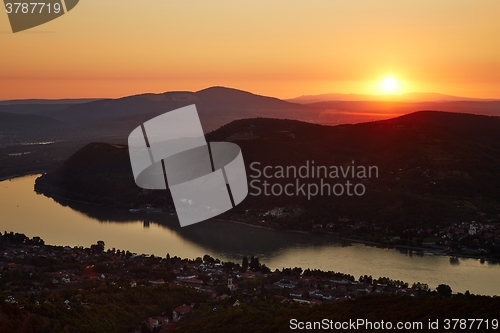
(222, 288)
(207, 259)
(444, 290)
(254, 263)
(38, 241)
(420, 286)
(98, 248)
(244, 264)
(366, 279)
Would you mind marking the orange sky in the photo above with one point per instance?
(282, 48)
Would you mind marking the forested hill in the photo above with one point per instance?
(434, 168)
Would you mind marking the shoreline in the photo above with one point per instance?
(19, 175)
(368, 243)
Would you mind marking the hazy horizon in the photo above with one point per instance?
(378, 97)
(276, 49)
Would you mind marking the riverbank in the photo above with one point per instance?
(431, 250)
(375, 244)
(29, 173)
(131, 288)
(56, 222)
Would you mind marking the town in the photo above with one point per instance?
(468, 239)
(40, 278)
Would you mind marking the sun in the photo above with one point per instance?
(389, 84)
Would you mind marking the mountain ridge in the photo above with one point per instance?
(218, 106)
(405, 97)
(13, 123)
(68, 101)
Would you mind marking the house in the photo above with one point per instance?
(193, 281)
(230, 284)
(152, 323)
(248, 275)
(284, 285)
(473, 229)
(157, 282)
(316, 302)
(302, 301)
(181, 311)
(276, 212)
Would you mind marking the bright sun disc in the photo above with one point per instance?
(389, 84)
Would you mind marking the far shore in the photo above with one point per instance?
(395, 246)
(29, 173)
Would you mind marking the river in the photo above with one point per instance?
(69, 223)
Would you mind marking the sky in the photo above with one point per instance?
(281, 48)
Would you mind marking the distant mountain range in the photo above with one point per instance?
(435, 168)
(67, 101)
(407, 97)
(217, 106)
(19, 123)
